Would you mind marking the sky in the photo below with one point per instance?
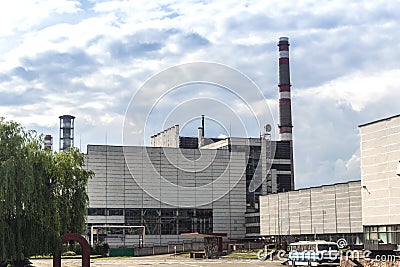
(89, 59)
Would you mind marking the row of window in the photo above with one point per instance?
(253, 230)
(254, 219)
(151, 211)
(389, 234)
(104, 212)
(163, 221)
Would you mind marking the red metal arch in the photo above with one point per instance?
(85, 249)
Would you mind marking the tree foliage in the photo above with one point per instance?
(42, 195)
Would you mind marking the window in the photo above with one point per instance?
(171, 221)
(115, 212)
(254, 219)
(253, 230)
(96, 211)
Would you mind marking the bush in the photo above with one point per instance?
(77, 248)
(71, 247)
(100, 249)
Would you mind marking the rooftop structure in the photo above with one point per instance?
(66, 132)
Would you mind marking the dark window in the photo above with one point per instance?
(171, 221)
(133, 216)
(168, 226)
(284, 182)
(282, 150)
(281, 167)
(96, 211)
(255, 219)
(253, 230)
(188, 142)
(115, 212)
(252, 172)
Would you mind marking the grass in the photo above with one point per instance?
(236, 255)
(64, 257)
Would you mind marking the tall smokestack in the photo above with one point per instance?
(285, 104)
(285, 110)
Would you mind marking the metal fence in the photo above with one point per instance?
(168, 249)
(187, 247)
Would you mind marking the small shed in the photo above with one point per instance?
(212, 245)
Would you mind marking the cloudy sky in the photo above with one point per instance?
(88, 58)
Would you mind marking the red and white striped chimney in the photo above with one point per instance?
(285, 110)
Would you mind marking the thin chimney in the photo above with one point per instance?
(285, 104)
(285, 110)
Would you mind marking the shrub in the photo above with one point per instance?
(100, 249)
(77, 248)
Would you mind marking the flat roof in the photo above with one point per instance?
(384, 119)
(311, 187)
(317, 186)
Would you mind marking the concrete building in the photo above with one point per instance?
(148, 192)
(177, 190)
(327, 212)
(380, 155)
(366, 211)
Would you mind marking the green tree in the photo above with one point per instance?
(42, 195)
(70, 190)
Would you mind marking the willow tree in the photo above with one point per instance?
(42, 196)
(70, 190)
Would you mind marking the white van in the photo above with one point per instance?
(314, 253)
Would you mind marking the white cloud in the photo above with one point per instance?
(348, 169)
(23, 15)
(358, 89)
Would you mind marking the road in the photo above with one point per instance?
(160, 260)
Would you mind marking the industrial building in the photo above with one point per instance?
(380, 185)
(190, 184)
(117, 199)
(327, 212)
(363, 212)
(221, 199)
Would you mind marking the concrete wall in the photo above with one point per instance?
(380, 155)
(150, 180)
(149, 240)
(327, 209)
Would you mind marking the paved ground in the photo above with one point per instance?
(162, 260)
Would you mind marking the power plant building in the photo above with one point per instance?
(146, 186)
(118, 194)
(191, 184)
